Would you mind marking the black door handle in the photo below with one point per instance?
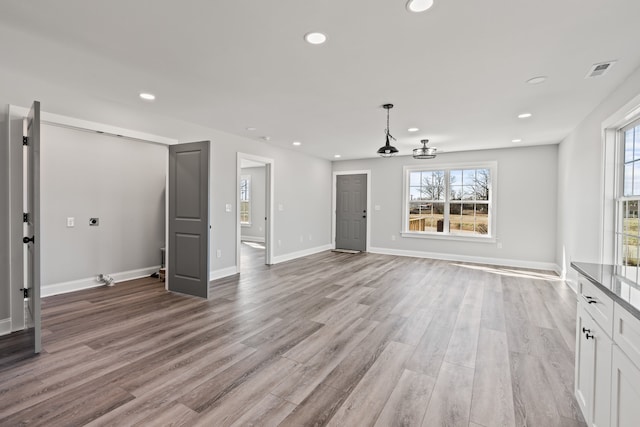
(364, 216)
(586, 330)
(29, 239)
(589, 336)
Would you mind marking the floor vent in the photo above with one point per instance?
(600, 69)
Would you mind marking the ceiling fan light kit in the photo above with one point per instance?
(424, 152)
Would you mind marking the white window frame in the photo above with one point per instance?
(490, 237)
(631, 272)
(248, 201)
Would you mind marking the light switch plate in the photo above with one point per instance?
(71, 222)
(227, 207)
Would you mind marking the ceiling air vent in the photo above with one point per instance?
(600, 69)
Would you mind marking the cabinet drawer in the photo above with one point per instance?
(598, 304)
(626, 333)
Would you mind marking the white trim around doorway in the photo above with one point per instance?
(269, 229)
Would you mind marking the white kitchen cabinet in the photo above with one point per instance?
(625, 391)
(607, 371)
(593, 369)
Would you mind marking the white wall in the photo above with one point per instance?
(255, 230)
(525, 200)
(580, 182)
(120, 181)
(302, 200)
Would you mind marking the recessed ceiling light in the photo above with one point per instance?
(297, 143)
(251, 128)
(315, 38)
(516, 140)
(337, 156)
(147, 96)
(524, 115)
(413, 129)
(419, 5)
(537, 80)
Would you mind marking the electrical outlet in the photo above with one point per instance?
(393, 237)
(499, 245)
(219, 253)
(71, 222)
(310, 237)
(377, 207)
(227, 207)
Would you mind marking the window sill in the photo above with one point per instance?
(452, 237)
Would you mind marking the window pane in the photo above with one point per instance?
(482, 218)
(630, 232)
(628, 179)
(636, 179)
(455, 217)
(468, 176)
(432, 185)
(455, 177)
(468, 192)
(426, 217)
(415, 178)
(415, 193)
(483, 179)
(628, 146)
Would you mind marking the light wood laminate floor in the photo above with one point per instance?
(330, 339)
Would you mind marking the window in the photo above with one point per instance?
(627, 230)
(451, 201)
(245, 199)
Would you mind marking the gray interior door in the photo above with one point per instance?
(32, 227)
(188, 242)
(351, 212)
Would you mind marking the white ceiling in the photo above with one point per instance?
(457, 71)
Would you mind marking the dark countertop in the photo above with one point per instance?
(610, 279)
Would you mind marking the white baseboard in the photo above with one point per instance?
(90, 282)
(534, 265)
(223, 272)
(299, 254)
(252, 239)
(5, 326)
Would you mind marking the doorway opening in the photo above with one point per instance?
(254, 219)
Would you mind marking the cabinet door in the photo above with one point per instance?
(593, 370)
(585, 363)
(601, 414)
(625, 391)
